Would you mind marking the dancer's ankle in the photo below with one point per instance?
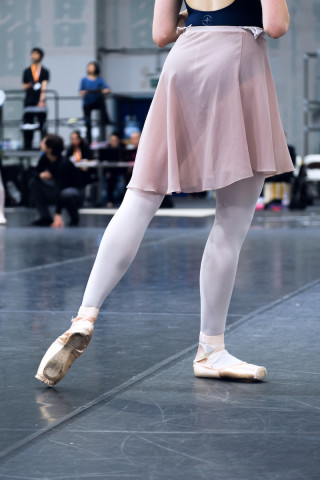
(211, 343)
(87, 313)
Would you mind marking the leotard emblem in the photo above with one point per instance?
(206, 20)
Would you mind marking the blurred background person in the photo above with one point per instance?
(134, 142)
(131, 152)
(35, 82)
(56, 182)
(113, 153)
(92, 89)
(78, 149)
(3, 220)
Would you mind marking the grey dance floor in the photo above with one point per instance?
(130, 407)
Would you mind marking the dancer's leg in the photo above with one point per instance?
(234, 212)
(120, 244)
(118, 248)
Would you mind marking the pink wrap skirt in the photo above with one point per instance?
(214, 119)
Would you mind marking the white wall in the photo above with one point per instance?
(128, 24)
(65, 29)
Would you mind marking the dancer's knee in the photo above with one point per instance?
(145, 202)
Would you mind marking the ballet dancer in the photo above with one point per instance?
(214, 123)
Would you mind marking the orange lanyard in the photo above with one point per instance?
(77, 155)
(35, 72)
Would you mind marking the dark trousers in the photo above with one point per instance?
(104, 119)
(112, 179)
(29, 117)
(44, 193)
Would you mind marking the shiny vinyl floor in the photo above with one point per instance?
(130, 407)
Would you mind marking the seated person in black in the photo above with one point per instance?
(34, 81)
(56, 182)
(113, 153)
(78, 151)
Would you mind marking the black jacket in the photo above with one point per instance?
(62, 170)
(86, 153)
(64, 174)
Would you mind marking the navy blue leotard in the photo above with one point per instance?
(240, 13)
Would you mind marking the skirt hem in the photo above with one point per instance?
(211, 185)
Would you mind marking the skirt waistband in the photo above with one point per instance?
(255, 31)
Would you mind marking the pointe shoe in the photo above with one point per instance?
(65, 350)
(220, 364)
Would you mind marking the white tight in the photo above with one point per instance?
(122, 238)
(234, 212)
(120, 244)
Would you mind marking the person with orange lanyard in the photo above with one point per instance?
(34, 81)
(78, 149)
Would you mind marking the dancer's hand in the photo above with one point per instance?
(182, 19)
(57, 222)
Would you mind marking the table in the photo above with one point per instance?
(26, 157)
(101, 166)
